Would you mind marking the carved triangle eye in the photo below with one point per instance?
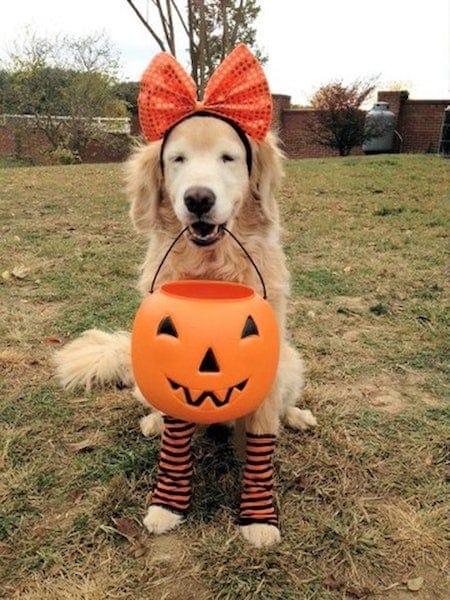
(167, 327)
(250, 328)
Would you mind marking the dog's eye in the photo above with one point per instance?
(227, 158)
(179, 158)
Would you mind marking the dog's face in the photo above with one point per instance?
(205, 175)
(205, 183)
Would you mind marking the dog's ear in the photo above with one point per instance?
(266, 174)
(144, 185)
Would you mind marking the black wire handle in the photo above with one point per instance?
(241, 246)
(152, 287)
(168, 251)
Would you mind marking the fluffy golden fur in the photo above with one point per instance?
(205, 153)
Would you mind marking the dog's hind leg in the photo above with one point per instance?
(299, 419)
(292, 381)
(152, 424)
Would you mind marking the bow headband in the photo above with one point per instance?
(237, 92)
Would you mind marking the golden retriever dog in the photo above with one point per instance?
(200, 179)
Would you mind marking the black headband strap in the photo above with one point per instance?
(203, 113)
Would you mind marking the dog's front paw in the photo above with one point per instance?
(261, 534)
(159, 520)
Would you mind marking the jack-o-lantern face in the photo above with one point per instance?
(205, 351)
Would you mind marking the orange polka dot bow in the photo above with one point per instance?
(238, 90)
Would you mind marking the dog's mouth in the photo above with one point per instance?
(205, 234)
(216, 398)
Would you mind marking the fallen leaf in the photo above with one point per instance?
(347, 269)
(415, 584)
(429, 460)
(127, 528)
(138, 550)
(332, 583)
(76, 495)
(6, 550)
(53, 339)
(6, 275)
(20, 272)
(87, 444)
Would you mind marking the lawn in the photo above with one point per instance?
(363, 497)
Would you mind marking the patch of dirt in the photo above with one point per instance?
(308, 305)
(351, 335)
(353, 304)
(384, 399)
(390, 393)
(166, 549)
(165, 571)
(169, 556)
(433, 587)
(394, 393)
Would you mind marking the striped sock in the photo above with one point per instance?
(257, 503)
(173, 485)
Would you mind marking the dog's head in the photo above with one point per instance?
(200, 179)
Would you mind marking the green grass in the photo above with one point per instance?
(362, 498)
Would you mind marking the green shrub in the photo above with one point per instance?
(64, 156)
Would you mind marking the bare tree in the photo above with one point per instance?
(210, 29)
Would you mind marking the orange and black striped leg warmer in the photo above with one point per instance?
(257, 502)
(173, 486)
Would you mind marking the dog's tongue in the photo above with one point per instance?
(203, 229)
(205, 234)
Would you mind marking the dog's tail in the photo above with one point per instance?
(96, 358)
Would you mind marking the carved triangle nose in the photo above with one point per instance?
(209, 363)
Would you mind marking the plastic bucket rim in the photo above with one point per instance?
(205, 289)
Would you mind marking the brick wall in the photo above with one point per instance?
(24, 142)
(418, 123)
(280, 104)
(27, 142)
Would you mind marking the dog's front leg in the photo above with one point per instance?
(172, 493)
(258, 517)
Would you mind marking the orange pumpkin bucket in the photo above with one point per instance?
(205, 351)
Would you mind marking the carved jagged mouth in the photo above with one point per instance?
(207, 394)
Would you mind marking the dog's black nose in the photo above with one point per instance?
(199, 200)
